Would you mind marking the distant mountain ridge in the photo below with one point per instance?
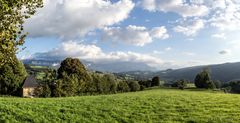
(104, 67)
(223, 72)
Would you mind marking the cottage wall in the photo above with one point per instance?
(28, 92)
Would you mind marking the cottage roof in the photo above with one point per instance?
(30, 82)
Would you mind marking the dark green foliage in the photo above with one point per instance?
(217, 83)
(210, 85)
(47, 85)
(73, 66)
(142, 87)
(67, 86)
(203, 80)
(12, 76)
(181, 84)
(110, 84)
(73, 78)
(134, 86)
(155, 81)
(104, 83)
(122, 86)
(145, 84)
(233, 87)
(43, 91)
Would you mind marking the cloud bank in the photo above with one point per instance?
(76, 18)
(135, 35)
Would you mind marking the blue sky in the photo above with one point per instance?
(160, 33)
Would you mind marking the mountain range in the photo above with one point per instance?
(104, 67)
(223, 72)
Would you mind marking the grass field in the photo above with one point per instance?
(158, 105)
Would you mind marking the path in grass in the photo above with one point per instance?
(159, 105)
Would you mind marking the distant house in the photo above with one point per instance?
(29, 86)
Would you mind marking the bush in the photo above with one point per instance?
(122, 86)
(210, 85)
(234, 86)
(218, 84)
(145, 84)
(181, 84)
(134, 86)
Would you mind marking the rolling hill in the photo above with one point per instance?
(223, 72)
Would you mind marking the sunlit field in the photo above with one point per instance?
(158, 105)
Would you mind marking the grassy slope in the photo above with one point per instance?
(160, 105)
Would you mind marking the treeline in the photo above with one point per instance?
(72, 79)
(203, 81)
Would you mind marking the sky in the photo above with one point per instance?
(160, 33)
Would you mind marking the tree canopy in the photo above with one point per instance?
(203, 80)
(12, 76)
(12, 16)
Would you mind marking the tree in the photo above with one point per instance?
(46, 86)
(12, 16)
(181, 84)
(72, 78)
(217, 83)
(203, 80)
(155, 81)
(233, 87)
(134, 86)
(12, 76)
(122, 86)
(73, 66)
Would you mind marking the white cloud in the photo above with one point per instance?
(221, 14)
(190, 29)
(219, 35)
(177, 6)
(156, 52)
(95, 54)
(225, 52)
(226, 16)
(168, 48)
(159, 33)
(135, 35)
(75, 18)
(189, 53)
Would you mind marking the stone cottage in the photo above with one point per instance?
(29, 86)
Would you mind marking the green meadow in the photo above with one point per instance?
(156, 105)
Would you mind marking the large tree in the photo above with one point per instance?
(203, 80)
(12, 76)
(72, 75)
(12, 16)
